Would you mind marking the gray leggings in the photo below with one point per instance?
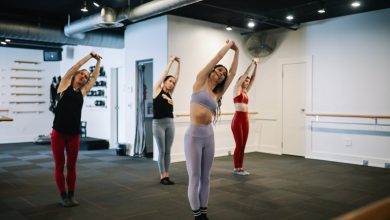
(199, 151)
(163, 132)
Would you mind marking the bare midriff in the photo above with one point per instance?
(241, 107)
(200, 114)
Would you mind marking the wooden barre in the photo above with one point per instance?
(27, 102)
(223, 113)
(27, 111)
(25, 61)
(348, 115)
(25, 77)
(38, 94)
(28, 86)
(26, 70)
(2, 118)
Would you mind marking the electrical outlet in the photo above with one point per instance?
(365, 162)
(387, 165)
(348, 142)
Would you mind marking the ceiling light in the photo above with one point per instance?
(84, 9)
(96, 4)
(355, 4)
(7, 40)
(251, 24)
(3, 43)
(229, 28)
(289, 17)
(321, 10)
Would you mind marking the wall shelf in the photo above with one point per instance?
(26, 62)
(27, 86)
(25, 77)
(27, 102)
(17, 94)
(26, 70)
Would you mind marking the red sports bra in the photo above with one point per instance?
(242, 98)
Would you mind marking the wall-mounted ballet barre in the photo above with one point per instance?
(223, 113)
(26, 70)
(27, 86)
(4, 118)
(27, 102)
(30, 94)
(22, 112)
(26, 62)
(348, 115)
(26, 77)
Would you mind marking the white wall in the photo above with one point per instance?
(143, 40)
(196, 43)
(97, 118)
(350, 75)
(26, 126)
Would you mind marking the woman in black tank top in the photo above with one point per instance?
(163, 125)
(66, 126)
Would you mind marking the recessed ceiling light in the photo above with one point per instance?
(229, 28)
(7, 40)
(251, 24)
(289, 17)
(355, 4)
(96, 4)
(321, 11)
(3, 43)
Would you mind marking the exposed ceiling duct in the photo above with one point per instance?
(111, 18)
(38, 33)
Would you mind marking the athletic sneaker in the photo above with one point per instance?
(244, 172)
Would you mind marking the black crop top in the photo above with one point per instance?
(68, 112)
(161, 106)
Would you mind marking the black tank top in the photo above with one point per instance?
(68, 112)
(161, 107)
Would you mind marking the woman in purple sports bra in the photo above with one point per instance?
(211, 83)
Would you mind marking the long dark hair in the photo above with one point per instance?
(219, 88)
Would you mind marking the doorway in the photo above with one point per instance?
(143, 143)
(293, 108)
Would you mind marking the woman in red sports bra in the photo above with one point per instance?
(240, 122)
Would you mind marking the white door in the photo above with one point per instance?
(294, 108)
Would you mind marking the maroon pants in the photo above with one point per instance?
(71, 144)
(240, 129)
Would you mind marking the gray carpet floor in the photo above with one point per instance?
(120, 187)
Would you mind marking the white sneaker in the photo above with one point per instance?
(244, 172)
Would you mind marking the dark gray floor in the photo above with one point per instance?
(114, 187)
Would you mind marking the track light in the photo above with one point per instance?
(84, 9)
(7, 40)
(96, 4)
(321, 10)
(3, 43)
(229, 28)
(251, 24)
(355, 4)
(289, 17)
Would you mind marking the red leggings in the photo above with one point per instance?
(70, 143)
(240, 128)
